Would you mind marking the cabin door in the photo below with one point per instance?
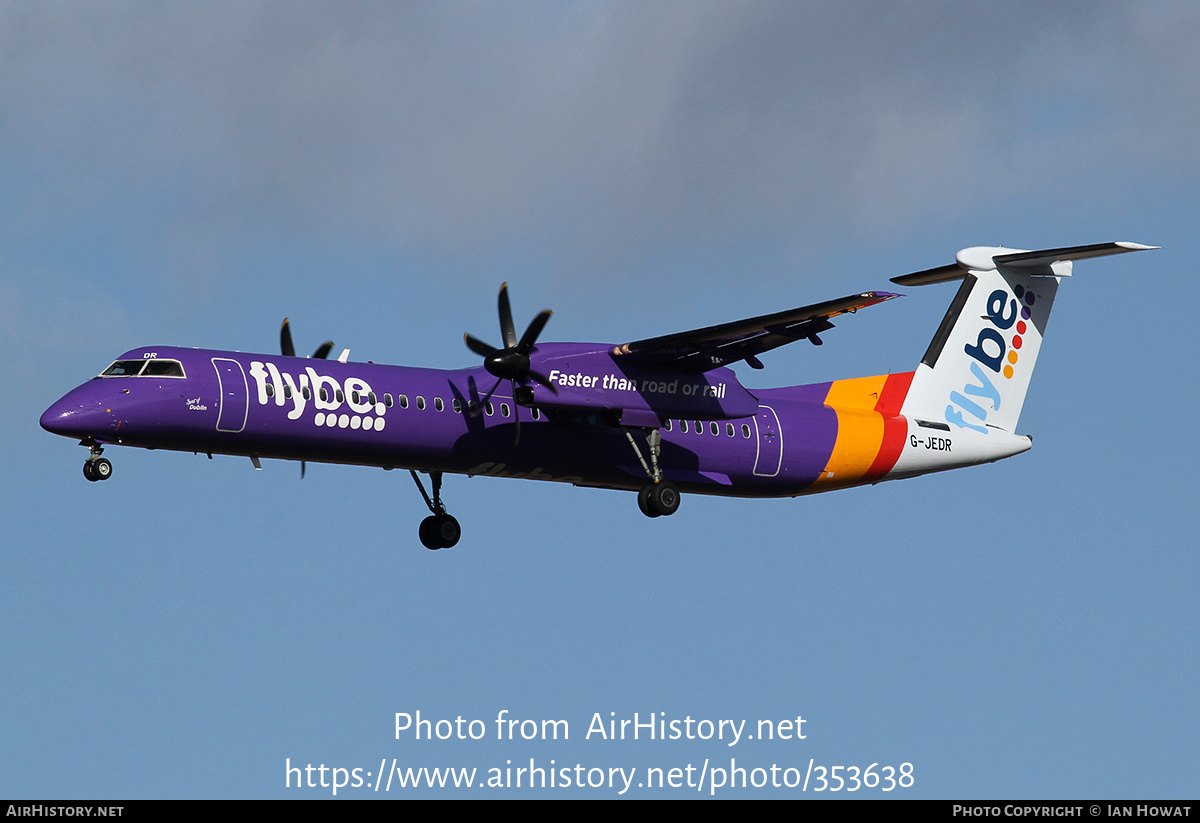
(770, 442)
(235, 395)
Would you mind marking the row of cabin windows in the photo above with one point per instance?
(490, 409)
(713, 426)
(389, 401)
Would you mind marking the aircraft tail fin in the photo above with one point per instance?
(976, 371)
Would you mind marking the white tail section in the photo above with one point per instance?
(976, 371)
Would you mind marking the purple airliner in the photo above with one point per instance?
(658, 417)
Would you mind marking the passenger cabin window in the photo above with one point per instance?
(420, 403)
(438, 404)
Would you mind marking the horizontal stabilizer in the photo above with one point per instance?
(1053, 262)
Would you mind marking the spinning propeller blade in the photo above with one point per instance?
(512, 362)
(289, 350)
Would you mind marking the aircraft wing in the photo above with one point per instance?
(715, 346)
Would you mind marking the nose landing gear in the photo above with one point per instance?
(96, 467)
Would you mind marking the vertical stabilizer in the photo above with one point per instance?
(976, 371)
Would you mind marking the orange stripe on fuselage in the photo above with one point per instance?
(870, 431)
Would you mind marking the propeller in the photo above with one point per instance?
(289, 350)
(285, 343)
(511, 363)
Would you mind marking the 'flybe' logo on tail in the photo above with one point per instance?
(326, 394)
(998, 349)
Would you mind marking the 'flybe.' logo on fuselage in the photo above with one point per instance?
(993, 350)
(326, 394)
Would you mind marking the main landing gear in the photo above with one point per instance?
(96, 467)
(659, 497)
(439, 530)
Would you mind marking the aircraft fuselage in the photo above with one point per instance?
(717, 437)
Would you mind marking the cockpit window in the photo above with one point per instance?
(163, 368)
(144, 368)
(123, 368)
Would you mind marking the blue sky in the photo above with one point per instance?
(190, 176)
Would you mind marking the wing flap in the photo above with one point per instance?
(715, 346)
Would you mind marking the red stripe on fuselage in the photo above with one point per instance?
(895, 427)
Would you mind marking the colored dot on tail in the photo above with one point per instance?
(1016, 341)
(1008, 372)
(1012, 357)
(1021, 327)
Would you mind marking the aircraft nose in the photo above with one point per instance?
(77, 415)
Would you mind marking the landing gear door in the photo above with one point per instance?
(235, 395)
(770, 442)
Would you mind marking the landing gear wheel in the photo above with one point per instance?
(439, 531)
(644, 500)
(658, 499)
(664, 498)
(97, 469)
(447, 530)
(425, 532)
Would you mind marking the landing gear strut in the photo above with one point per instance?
(659, 497)
(439, 530)
(96, 467)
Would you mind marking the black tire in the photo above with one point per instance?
(88, 471)
(447, 531)
(428, 535)
(102, 469)
(644, 501)
(664, 498)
